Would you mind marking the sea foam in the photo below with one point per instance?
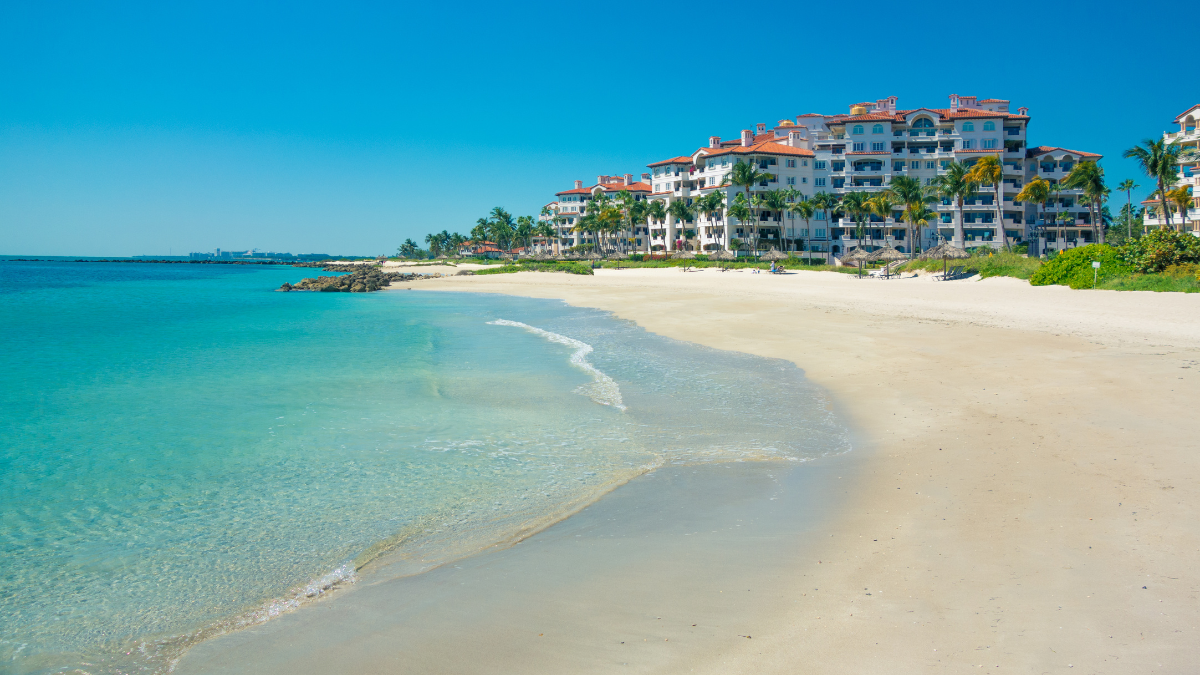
(603, 389)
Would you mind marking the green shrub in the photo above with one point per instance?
(570, 267)
(1073, 267)
(1161, 249)
(986, 263)
(1160, 283)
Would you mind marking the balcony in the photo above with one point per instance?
(1180, 136)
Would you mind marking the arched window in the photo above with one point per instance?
(877, 129)
(1189, 124)
(857, 129)
(968, 126)
(922, 123)
(989, 126)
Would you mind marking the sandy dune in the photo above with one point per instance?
(1030, 495)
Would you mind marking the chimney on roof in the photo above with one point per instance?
(645, 178)
(762, 128)
(600, 180)
(953, 102)
(747, 138)
(794, 137)
(628, 178)
(578, 185)
(1022, 111)
(714, 141)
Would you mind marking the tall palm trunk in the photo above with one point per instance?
(1162, 197)
(1000, 215)
(960, 237)
(1128, 214)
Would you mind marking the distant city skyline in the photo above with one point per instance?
(140, 128)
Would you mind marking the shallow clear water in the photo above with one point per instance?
(183, 450)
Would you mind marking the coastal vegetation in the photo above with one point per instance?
(986, 263)
(568, 266)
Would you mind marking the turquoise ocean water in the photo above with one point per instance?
(184, 451)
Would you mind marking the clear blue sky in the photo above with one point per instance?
(132, 129)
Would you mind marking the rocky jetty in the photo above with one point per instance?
(359, 279)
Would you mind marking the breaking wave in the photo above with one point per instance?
(603, 389)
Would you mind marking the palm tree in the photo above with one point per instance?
(777, 201)
(806, 209)
(827, 202)
(955, 185)
(858, 205)
(918, 214)
(882, 205)
(711, 204)
(657, 211)
(546, 231)
(681, 211)
(990, 171)
(1182, 201)
(740, 209)
(1036, 191)
(1160, 162)
(1088, 176)
(408, 249)
(907, 190)
(746, 176)
(592, 222)
(482, 228)
(1128, 186)
(524, 231)
(1055, 198)
(757, 203)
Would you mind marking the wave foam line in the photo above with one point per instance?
(603, 389)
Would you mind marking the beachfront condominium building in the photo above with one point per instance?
(570, 205)
(1187, 138)
(862, 151)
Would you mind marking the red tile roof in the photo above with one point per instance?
(811, 115)
(764, 148)
(1043, 149)
(994, 100)
(632, 187)
(869, 116)
(673, 160)
(943, 113)
(1184, 114)
(576, 191)
(984, 150)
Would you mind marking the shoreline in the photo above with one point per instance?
(544, 604)
(1029, 551)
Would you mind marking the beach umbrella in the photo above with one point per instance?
(775, 254)
(859, 256)
(683, 255)
(946, 252)
(888, 255)
(722, 256)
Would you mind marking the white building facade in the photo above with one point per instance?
(571, 205)
(862, 152)
(1188, 140)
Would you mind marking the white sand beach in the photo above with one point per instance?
(1030, 496)
(1023, 495)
